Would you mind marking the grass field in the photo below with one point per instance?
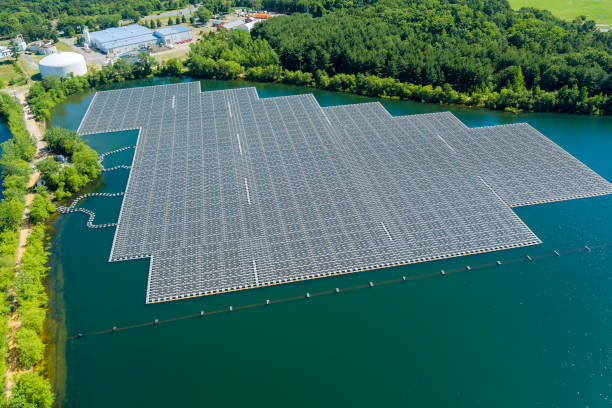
(8, 75)
(598, 10)
(61, 47)
(180, 53)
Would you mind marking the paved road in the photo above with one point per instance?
(29, 60)
(90, 56)
(181, 12)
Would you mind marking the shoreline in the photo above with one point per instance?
(13, 368)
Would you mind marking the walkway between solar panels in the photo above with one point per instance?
(267, 191)
(337, 290)
(72, 208)
(121, 166)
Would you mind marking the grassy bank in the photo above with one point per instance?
(599, 11)
(23, 304)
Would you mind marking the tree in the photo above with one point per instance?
(183, 19)
(14, 49)
(159, 23)
(41, 206)
(173, 67)
(203, 14)
(61, 140)
(29, 347)
(10, 213)
(145, 63)
(49, 168)
(19, 401)
(32, 389)
(85, 161)
(32, 317)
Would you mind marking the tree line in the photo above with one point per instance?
(473, 46)
(25, 291)
(45, 94)
(236, 54)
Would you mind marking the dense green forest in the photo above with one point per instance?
(477, 46)
(472, 52)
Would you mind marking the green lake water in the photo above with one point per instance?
(530, 334)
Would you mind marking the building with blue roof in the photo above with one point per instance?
(174, 35)
(134, 37)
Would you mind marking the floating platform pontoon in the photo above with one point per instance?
(228, 191)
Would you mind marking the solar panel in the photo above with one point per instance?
(228, 191)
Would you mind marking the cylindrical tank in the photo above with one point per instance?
(62, 64)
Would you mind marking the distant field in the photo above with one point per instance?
(179, 53)
(598, 10)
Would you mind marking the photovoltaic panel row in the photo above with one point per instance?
(525, 167)
(228, 191)
(522, 165)
(428, 205)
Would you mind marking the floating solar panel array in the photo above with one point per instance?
(228, 191)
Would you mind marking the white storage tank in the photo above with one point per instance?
(62, 64)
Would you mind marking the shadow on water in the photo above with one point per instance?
(528, 334)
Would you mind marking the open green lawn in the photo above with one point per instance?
(60, 46)
(598, 10)
(8, 75)
(180, 53)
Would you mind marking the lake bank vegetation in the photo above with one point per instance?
(81, 165)
(44, 95)
(477, 53)
(480, 54)
(22, 292)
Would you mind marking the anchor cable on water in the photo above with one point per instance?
(309, 295)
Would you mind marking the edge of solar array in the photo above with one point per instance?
(86, 113)
(335, 273)
(536, 241)
(556, 200)
(127, 186)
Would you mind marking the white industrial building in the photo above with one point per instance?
(134, 37)
(42, 47)
(63, 64)
(5, 52)
(174, 35)
(119, 40)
